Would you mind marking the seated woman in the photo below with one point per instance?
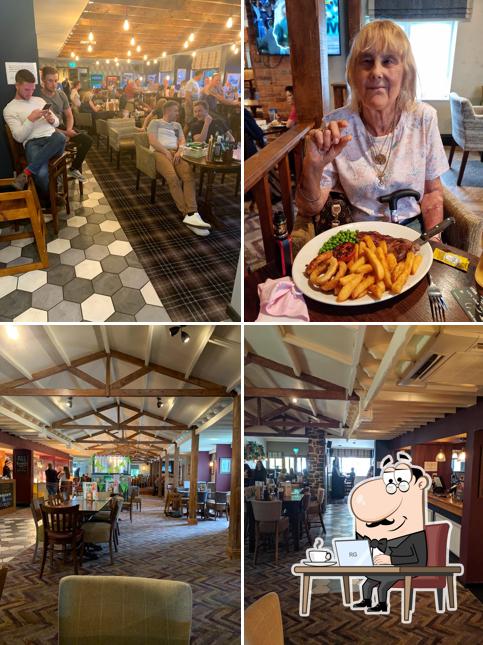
(382, 141)
(88, 106)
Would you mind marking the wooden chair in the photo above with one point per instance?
(103, 532)
(62, 527)
(315, 510)
(128, 504)
(20, 205)
(137, 499)
(39, 528)
(263, 621)
(56, 500)
(3, 577)
(218, 505)
(304, 522)
(71, 150)
(57, 169)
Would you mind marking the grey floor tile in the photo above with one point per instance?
(120, 235)
(78, 289)
(72, 257)
(149, 313)
(120, 317)
(82, 210)
(81, 242)
(104, 238)
(60, 274)
(97, 252)
(65, 312)
(134, 278)
(89, 229)
(96, 218)
(16, 302)
(47, 297)
(68, 232)
(132, 260)
(114, 264)
(107, 284)
(128, 301)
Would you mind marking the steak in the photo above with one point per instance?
(396, 245)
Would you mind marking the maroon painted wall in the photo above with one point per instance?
(203, 466)
(16, 442)
(223, 482)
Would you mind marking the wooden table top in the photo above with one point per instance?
(231, 166)
(252, 103)
(411, 306)
(87, 507)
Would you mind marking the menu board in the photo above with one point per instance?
(6, 495)
(21, 463)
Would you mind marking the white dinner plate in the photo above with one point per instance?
(311, 250)
(319, 564)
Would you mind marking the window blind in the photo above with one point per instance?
(420, 9)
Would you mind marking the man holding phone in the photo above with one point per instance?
(34, 127)
(62, 110)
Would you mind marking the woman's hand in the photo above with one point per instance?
(323, 146)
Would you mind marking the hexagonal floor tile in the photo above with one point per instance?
(96, 218)
(120, 317)
(89, 229)
(82, 242)
(60, 274)
(103, 209)
(120, 235)
(88, 269)
(32, 315)
(114, 264)
(97, 252)
(77, 221)
(135, 278)
(132, 260)
(68, 232)
(96, 195)
(18, 261)
(97, 308)
(8, 283)
(47, 296)
(83, 211)
(128, 301)
(152, 314)
(104, 238)
(109, 226)
(107, 284)
(32, 280)
(150, 295)
(72, 257)
(78, 290)
(23, 242)
(15, 302)
(10, 253)
(65, 312)
(58, 246)
(119, 248)
(90, 203)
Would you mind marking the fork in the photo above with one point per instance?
(436, 301)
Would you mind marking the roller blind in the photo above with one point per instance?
(420, 9)
(352, 452)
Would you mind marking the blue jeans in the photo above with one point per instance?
(38, 153)
(52, 489)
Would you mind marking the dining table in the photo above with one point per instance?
(87, 508)
(253, 105)
(210, 169)
(411, 306)
(291, 507)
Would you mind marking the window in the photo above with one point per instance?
(301, 464)
(361, 465)
(433, 45)
(289, 463)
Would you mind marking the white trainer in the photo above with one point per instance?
(202, 232)
(195, 221)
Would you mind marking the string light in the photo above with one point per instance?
(90, 36)
(133, 41)
(229, 23)
(72, 55)
(185, 44)
(125, 25)
(191, 37)
(89, 48)
(138, 48)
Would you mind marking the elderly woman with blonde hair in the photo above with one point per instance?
(383, 140)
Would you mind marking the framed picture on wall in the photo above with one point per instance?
(225, 465)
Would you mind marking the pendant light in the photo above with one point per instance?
(440, 457)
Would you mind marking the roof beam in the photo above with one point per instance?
(222, 413)
(328, 395)
(202, 343)
(128, 393)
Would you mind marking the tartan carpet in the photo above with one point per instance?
(153, 546)
(193, 276)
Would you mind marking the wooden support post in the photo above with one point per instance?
(166, 475)
(234, 540)
(176, 466)
(195, 442)
(160, 461)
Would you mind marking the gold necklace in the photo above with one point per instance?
(380, 155)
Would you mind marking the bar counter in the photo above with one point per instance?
(8, 497)
(442, 504)
(444, 509)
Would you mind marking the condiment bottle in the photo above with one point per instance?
(283, 242)
(335, 211)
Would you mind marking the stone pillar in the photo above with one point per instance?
(316, 459)
(195, 442)
(176, 466)
(234, 545)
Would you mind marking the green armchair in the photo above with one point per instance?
(82, 120)
(121, 609)
(121, 137)
(146, 163)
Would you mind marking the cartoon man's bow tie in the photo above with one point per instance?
(379, 544)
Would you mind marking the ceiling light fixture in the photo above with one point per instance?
(145, 57)
(12, 332)
(108, 61)
(129, 53)
(77, 57)
(229, 23)
(185, 44)
(440, 456)
(163, 55)
(148, 63)
(72, 54)
(138, 48)
(97, 62)
(160, 402)
(116, 59)
(125, 24)
(294, 399)
(193, 54)
(69, 402)
(89, 48)
(185, 337)
(128, 60)
(191, 37)
(90, 36)
(133, 41)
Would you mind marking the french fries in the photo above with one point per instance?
(371, 271)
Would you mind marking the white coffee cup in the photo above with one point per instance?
(319, 555)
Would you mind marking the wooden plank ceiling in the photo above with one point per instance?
(79, 389)
(157, 25)
(358, 382)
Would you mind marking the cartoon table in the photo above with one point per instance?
(308, 572)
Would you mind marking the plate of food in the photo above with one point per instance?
(361, 263)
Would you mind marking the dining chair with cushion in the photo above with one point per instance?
(146, 163)
(83, 120)
(122, 609)
(268, 522)
(218, 504)
(315, 512)
(121, 137)
(202, 496)
(263, 621)
(436, 539)
(137, 498)
(103, 532)
(467, 230)
(39, 528)
(62, 527)
(466, 129)
(128, 504)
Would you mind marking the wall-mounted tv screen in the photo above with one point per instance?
(270, 22)
(111, 464)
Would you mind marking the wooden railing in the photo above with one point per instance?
(275, 158)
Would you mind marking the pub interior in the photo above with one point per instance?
(146, 180)
(324, 406)
(296, 57)
(120, 488)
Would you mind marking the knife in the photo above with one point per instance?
(439, 228)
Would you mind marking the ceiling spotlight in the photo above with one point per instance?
(12, 332)
(145, 57)
(160, 402)
(133, 41)
(129, 53)
(163, 55)
(191, 37)
(90, 36)
(69, 402)
(185, 337)
(138, 48)
(125, 25)
(185, 44)
(294, 399)
(89, 48)
(229, 23)
(72, 55)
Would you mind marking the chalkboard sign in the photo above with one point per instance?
(6, 495)
(21, 464)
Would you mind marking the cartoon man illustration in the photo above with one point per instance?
(389, 511)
